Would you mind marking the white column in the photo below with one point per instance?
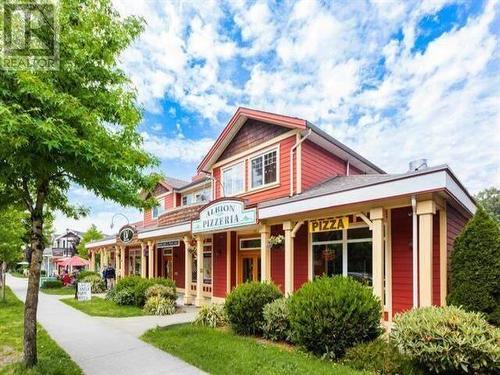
(377, 218)
(443, 255)
(288, 227)
(143, 261)
(425, 212)
(117, 262)
(265, 264)
(92, 260)
(228, 262)
(188, 261)
(199, 276)
(151, 260)
(122, 261)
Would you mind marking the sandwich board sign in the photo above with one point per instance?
(84, 291)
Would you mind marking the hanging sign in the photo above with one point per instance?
(126, 234)
(224, 215)
(84, 292)
(329, 224)
(168, 243)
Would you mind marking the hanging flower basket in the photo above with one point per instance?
(276, 242)
(192, 247)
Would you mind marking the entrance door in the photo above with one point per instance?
(249, 266)
(168, 267)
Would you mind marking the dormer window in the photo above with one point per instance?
(155, 212)
(264, 169)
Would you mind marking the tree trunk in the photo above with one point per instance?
(31, 304)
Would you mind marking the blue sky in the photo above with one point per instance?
(395, 81)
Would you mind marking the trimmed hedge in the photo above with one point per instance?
(245, 303)
(331, 314)
(475, 267)
(157, 305)
(276, 325)
(50, 284)
(83, 274)
(211, 315)
(448, 339)
(97, 283)
(139, 286)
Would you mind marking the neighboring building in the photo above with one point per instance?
(269, 175)
(62, 246)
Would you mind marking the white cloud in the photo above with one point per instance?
(178, 148)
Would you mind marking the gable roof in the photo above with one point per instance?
(173, 183)
(318, 136)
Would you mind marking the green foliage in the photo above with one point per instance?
(124, 296)
(97, 284)
(276, 325)
(380, 357)
(92, 234)
(110, 294)
(489, 199)
(157, 305)
(143, 285)
(48, 284)
(211, 315)
(331, 314)
(163, 291)
(83, 274)
(12, 232)
(448, 339)
(475, 266)
(245, 303)
(128, 282)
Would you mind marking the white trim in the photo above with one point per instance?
(175, 229)
(405, 186)
(261, 155)
(223, 191)
(92, 245)
(248, 248)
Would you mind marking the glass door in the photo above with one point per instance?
(249, 267)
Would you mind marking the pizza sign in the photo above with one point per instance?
(329, 224)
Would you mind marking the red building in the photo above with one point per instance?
(276, 198)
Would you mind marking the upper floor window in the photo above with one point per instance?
(198, 196)
(155, 212)
(264, 169)
(232, 179)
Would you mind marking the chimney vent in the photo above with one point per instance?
(417, 165)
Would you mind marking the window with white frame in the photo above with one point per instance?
(250, 243)
(345, 252)
(232, 179)
(198, 196)
(155, 212)
(263, 169)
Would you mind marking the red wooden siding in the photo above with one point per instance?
(179, 265)
(436, 292)
(318, 165)
(233, 259)
(455, 222)
(402, 264)
(169, 201)
(300, 250)
(252, 134)
(219, 267)
(148, 219)
(278, 260)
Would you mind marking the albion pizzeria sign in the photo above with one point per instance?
(224, 214)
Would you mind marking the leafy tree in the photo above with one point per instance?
(490, 200)
(92, 234)
(74, 125)
(11, 239)
(475, 267)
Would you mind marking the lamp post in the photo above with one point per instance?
(113, 219)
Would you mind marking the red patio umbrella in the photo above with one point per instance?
(74, 261)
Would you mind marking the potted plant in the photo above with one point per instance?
(276, 242)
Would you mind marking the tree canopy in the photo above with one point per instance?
(92, 234)
(490, 200)
(11, 234)
(75, 125)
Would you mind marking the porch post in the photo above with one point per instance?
(288, 227)
(425, 212)
(122, 261)
(143, 260)
(199, 275)
(151, 260)
(117, 262)
(265, 264)
(92, 260)
(377, 218)
(188, 261)
(104, 260)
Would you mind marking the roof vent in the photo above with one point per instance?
(417, 165)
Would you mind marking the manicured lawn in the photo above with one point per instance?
(101, 307)
(221, 352)
(64, 291)
(52, 359)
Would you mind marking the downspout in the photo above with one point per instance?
(415, 250)
(291, 158)
(348, 168)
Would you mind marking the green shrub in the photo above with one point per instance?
(97, 283)
(211, 315)
(276, 325)
(124, 296)
(50, 284)
(144, 284)
(163, 291)
(380, 357)
(83, 274)
(128, 282)
(110, 294)
(245, 303)
(157, 305)
(475, 266)
(331, 314)
(448, 339)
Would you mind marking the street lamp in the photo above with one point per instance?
(113, 219)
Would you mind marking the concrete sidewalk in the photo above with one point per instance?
(98, 347)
